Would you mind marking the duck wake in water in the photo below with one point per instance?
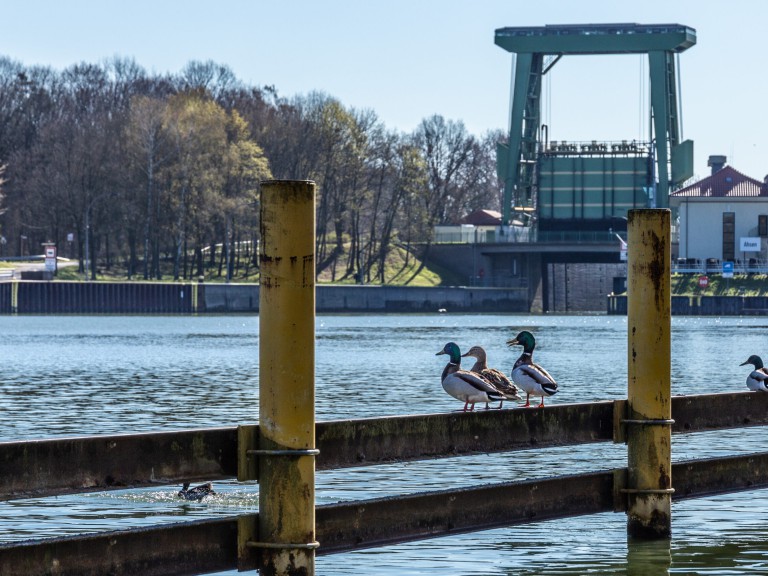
(197, 493)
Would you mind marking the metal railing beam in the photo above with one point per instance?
(204, 546)
(38, 468)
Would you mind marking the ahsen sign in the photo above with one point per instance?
(750, 244)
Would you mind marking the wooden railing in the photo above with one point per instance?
(72, 465)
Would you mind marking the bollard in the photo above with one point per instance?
(649, 407)
(287, 379)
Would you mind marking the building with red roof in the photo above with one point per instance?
(723, 217)
(483, 217)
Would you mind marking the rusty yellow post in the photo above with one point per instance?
(287, 379)
(649, 411)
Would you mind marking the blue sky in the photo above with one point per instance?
(409, 59)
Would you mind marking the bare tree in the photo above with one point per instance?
(148, 150)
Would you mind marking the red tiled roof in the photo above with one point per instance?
(725, 183)
(483, 218)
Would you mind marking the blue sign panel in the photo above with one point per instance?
(727, 269)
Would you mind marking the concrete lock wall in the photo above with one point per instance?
(245, 298)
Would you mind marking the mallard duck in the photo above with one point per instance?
(463, 384)
(758, 378)
(531, 377)
(196, 493)
(494, 376)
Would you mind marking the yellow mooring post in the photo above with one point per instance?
(287, 379)
(649, 411)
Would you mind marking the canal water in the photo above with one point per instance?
(84, 375)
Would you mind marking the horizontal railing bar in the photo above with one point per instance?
(706, 477)
(704, 412)
(346, 443)
(211, 545)
(340, 528)
(355, 525)
(372, 523)
(197, 547)
(37, 468)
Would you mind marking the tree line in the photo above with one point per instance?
(159, 174)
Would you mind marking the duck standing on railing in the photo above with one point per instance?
(196, 493)
(463, 384)
(758, 378)
(494, 376)
(531, 377)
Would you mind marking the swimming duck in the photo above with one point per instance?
(758, 378)
(531, 377)
(494, 376)
(463, 384)
(196, 493)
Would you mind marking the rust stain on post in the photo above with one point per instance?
(287, 377)
(649, 479)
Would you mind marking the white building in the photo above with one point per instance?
(723, 217)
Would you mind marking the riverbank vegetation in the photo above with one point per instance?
(156, 176)
(402, 268)
(739, 285)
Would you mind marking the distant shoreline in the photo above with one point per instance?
(44, 297)
(702, 305)
(55, 298)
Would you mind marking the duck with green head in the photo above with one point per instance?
(758, 378)
(496, 377)
(531, 377)
(463, 384)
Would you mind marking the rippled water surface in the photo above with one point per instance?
(67, 376)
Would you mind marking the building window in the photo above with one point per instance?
(762, 225)
(729, 239)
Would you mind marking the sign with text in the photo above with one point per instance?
(749, 244)
(50, 256)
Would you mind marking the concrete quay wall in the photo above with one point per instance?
(41, 297)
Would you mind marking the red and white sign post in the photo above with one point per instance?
(50, 256)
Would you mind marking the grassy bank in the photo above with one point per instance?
(739, 285)
(399, 270)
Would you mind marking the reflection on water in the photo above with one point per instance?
(102, 375)
(648, 558)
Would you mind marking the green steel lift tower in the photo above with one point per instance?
(537, 49)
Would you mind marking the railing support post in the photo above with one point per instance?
(287, 379)
(649, 413)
